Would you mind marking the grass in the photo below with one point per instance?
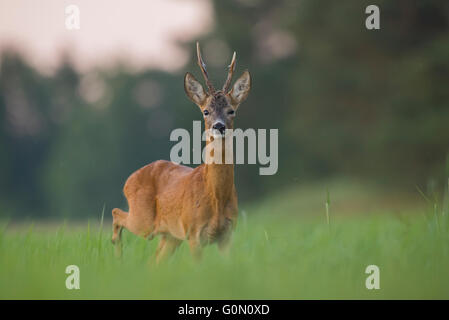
(281, 250)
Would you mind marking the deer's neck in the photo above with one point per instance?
(219, 179)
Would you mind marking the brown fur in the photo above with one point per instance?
(178, 202)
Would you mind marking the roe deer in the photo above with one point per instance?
(181, 203)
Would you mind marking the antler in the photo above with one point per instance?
(203, 69)
(230, 73)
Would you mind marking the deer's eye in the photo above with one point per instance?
(231, 112)
(206, 112)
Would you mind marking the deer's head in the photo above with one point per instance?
(218, 106)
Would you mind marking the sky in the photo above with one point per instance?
(141, 33)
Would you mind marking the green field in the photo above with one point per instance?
(283, 249)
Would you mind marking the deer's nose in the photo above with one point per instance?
(220, 127)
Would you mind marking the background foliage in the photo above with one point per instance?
(347, 101)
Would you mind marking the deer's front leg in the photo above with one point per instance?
(224, 244)
(196, 249)
(166, 247)
(224, 241)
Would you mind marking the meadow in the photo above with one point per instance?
(286, 247)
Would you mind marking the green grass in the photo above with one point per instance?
(280, 251)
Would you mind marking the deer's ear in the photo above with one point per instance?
(241, 88)
(194, 89)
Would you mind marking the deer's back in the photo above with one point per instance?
(154, 178)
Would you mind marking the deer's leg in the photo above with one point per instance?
(161, 244)
(118, 223)
(224, 244)
(142, 214)
(224, 241)
(195, 248)
(166, 247)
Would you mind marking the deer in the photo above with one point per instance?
(180, 203)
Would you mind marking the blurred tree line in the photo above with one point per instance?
(347, 101)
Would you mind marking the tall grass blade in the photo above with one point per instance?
(328, 201)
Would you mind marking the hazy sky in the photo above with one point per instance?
(140, 32)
